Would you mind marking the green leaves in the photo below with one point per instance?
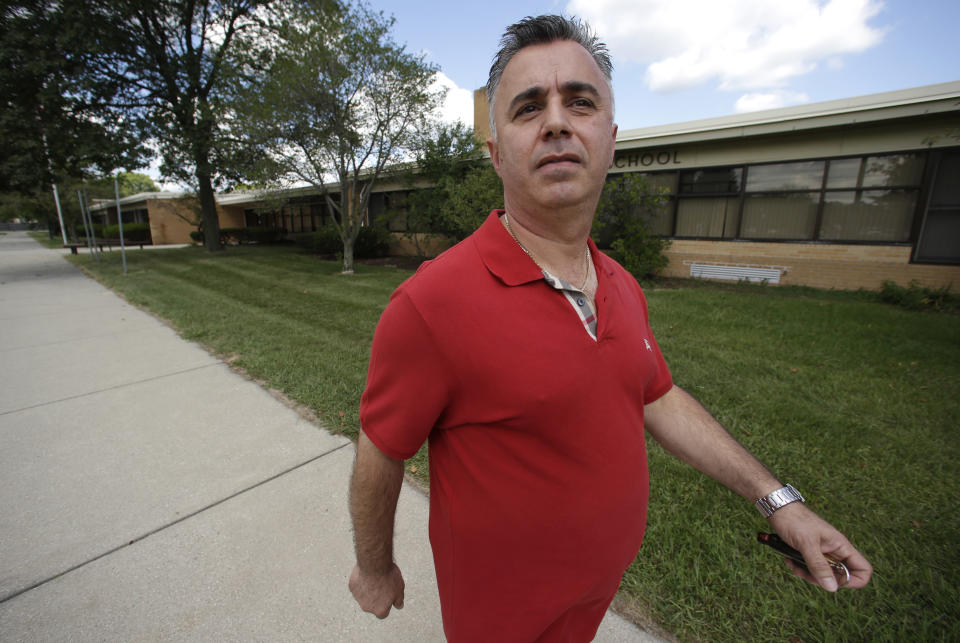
(341, 102)
(627, 203)
(54, 119)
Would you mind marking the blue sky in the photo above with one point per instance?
(680, 60)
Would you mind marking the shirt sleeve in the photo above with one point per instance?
(408, 381)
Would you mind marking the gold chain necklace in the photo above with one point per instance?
(586, 276)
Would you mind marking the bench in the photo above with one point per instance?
(108, 244)
(111, 243)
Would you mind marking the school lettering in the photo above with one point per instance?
(648, 158)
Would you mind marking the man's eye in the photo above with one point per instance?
(526, 109)
(582, 102)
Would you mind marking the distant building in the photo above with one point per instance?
(841, 194)
(172, 215)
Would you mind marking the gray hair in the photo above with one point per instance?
(538, 31)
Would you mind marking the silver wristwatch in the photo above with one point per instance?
(771, 502)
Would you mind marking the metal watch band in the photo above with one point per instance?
(779, 498)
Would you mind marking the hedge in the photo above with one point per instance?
(251, 234)
(371, 243)
(132, 232)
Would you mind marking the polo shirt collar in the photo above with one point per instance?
(504, 257)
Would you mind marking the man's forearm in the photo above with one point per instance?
(374, 490)
(687, 430)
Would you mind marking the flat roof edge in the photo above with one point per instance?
(904, 98)
(136, 198)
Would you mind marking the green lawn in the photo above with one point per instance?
(853, 401)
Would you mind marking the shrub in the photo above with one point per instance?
(626, 203)
(371, 243)
(197, 236)
(325, 241)
(263, 235)
(233, 235)
(917, 297)
(250, 234)
(457, 205)
(132, 232)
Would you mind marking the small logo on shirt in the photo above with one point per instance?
(646, 343)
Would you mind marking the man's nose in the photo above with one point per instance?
(556, 120)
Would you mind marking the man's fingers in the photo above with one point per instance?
(378, 594)
(401, 586)
(860, 569)
(820, 569)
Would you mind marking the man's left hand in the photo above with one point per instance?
(814, 537)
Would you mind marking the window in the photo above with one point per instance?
(939, 240)
(868, 215)
(390, 209)
(879, 215)
(711, 181)
(785, 176)
(892, 170)
(708, 217)
(844, 173)
(774, 216)
(868, 199)
(709, 203)
(781, 200)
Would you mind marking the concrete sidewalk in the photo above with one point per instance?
(149, 492)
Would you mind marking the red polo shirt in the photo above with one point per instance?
(538, 466)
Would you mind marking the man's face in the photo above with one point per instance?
(555, 131)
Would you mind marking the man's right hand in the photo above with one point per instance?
(378, 593)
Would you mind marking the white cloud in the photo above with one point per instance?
(740, 44)
(458, 105)
(757, 101)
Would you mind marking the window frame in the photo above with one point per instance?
(920, 189)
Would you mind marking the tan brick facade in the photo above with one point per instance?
(837, 266)
(171, 220)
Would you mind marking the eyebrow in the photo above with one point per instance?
(569, 87)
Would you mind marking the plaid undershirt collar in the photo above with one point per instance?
(579, 300)
(504, 258)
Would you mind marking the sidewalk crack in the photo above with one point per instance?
(18, 592)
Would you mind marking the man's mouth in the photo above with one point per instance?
(558, 158)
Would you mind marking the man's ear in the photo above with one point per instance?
(494, 150)
(613, 145)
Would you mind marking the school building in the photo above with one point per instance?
(842, 194)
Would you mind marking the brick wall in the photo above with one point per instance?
(844, 267)
(166, 227)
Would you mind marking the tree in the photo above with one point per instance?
(53, 118)
(626, 203)
(135, 183)
(26, 207)
(342, 103)
(38, 205)
(177, 64)
(462, 186)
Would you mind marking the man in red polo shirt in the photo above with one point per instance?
(525, 357)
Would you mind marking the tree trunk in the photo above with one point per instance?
(348, 257)
(210, 222)
(349, 224)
